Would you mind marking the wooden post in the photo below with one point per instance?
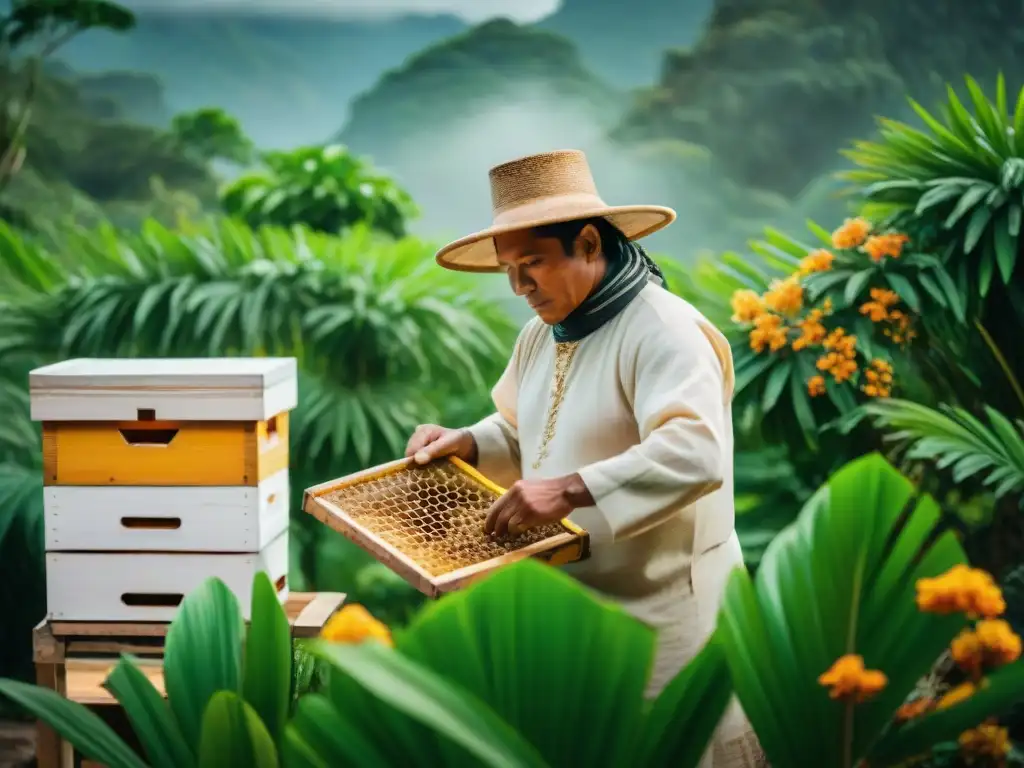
(51, 750)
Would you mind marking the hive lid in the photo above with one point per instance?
(426, 523)
(202, 389)
(183, 373)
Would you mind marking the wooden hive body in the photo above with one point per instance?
(159, 474)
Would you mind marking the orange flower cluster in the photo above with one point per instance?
(840, 360)
(816, 386)
(768, 332)
(848, 680)
(881, 302)
(747, 306)
(880, 246)
(988, 740)
(900, 332)
(991, 643)
(812, 330)
(850, 233)
(961, 589)
(354, 624)
(785, 296)
(817, 261)
(878, 379)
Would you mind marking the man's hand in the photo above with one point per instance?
(430, 442)
(530, 503)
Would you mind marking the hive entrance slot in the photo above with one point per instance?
(152, 599)
(148, 436)
(152, 523)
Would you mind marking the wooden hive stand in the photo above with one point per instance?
(75, 657)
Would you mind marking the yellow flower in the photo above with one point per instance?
(988, 740)
(880, 246)
(878, 379)
(817, 261)
(878, 308)
(840, 360)
(992, 643)
(747, 305)
(812, 331)
(850, 234)
(848, 680)
(815, 385)
(961, 589)
(900, 331)
(354, 624)
(954, 696)
(1000, 643)
(768, 332)
(785, 296)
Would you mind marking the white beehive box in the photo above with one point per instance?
(159, 473)
(149, 586)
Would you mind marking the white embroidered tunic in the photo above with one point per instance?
(641, 409)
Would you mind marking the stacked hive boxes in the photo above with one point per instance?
(159, 474)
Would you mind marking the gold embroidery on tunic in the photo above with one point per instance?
(564, 353)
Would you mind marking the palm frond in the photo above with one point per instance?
(953, 439)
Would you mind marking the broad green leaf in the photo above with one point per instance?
(856, 285)
(267, 678)
(967, 201)
(430, 699)
(1005, 246)
(326, 732)
(802, 409)
(840, 580)
(203, 653)
(776, 382)
(233, 735)
(683, 718)
(77, 724)
(150, 715)
(531, 614)
(905, 290)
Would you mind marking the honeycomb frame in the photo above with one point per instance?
(396, 547)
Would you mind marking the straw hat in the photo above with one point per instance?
(545, 189)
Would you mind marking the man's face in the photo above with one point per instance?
(552, 282)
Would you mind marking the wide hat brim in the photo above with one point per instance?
(476, 252)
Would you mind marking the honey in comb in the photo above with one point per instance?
(433, 515)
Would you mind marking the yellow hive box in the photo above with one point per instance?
(426, 523)
(168, 422)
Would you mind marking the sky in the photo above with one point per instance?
(470, 10)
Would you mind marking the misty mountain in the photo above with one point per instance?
(290, 79)
(625, 42)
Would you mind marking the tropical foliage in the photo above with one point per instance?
(383, 338)
(212, 134)
(958, 181)
(809, 650)
(324, 188)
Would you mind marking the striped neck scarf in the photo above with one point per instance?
(625, 278)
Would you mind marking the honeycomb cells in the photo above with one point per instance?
(433, 515)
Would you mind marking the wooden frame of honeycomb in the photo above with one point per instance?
(426, 523)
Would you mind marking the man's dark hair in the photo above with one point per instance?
(614, 244)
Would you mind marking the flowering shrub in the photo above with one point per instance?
(985, 645)
(832, 329)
